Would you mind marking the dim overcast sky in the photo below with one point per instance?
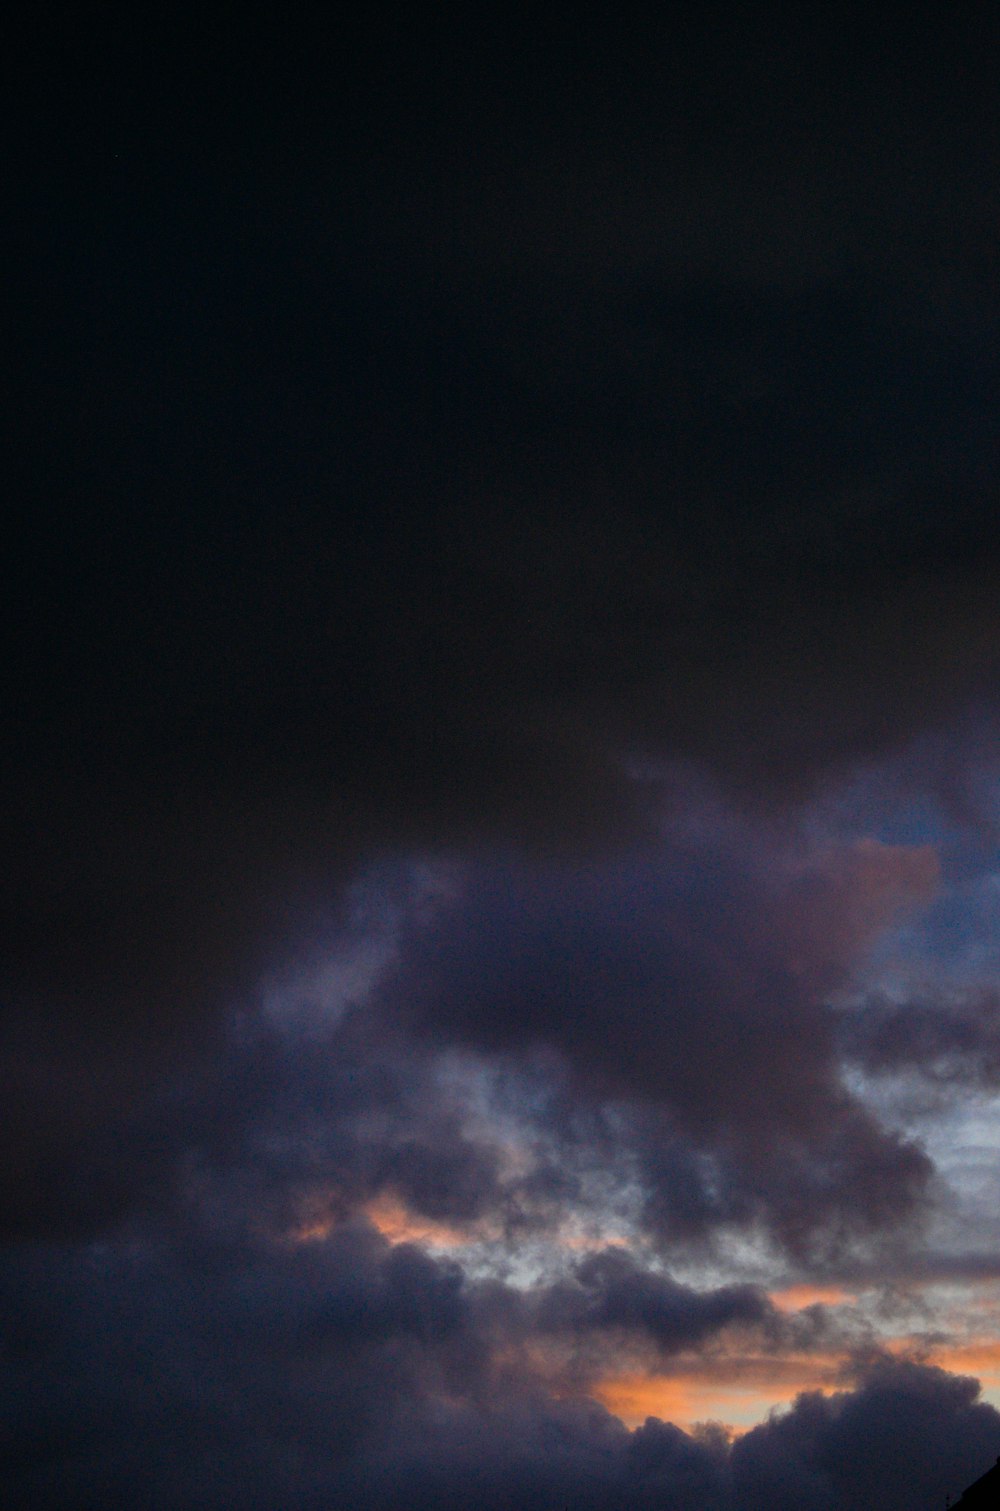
(500, 979)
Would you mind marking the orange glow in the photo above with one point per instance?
(739, 1403)
(314, 1231)
(393, 1220)
(736, 1386)
(977, 1356)
(396, 1223)
(636, 1397)
(576, 1241)
(739, 1391)
(796, 1297)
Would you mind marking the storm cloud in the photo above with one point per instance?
(214, 1375)
(500, 643)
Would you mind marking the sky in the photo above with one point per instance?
(500, 983)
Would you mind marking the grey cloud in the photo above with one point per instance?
(849, 1182)
(258, 1374)
(688, 985)
(950, 1036)
(610, 1292)
(908, 1437)
(419, 433)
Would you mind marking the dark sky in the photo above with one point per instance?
(499, 983)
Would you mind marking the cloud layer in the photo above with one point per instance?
(501, 645)
(219, 1374)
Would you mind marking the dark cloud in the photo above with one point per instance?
(298, 1372)
(657, 973)
(250, 1367)
(260, 1374)
(950, 1037)
(389, 470)
(662, 1016)
(849, 1181)
(908, 1437)
(246, 1341)
(435, 439)
(610, 1292)
(691, 985)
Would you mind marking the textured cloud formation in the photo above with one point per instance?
(610, 1292)
(250, 1338)
(692, 985)
(251, 1374)
(555, 461)
(712, 963)
(951, 1037)
(658, 973)
(898, 1441)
